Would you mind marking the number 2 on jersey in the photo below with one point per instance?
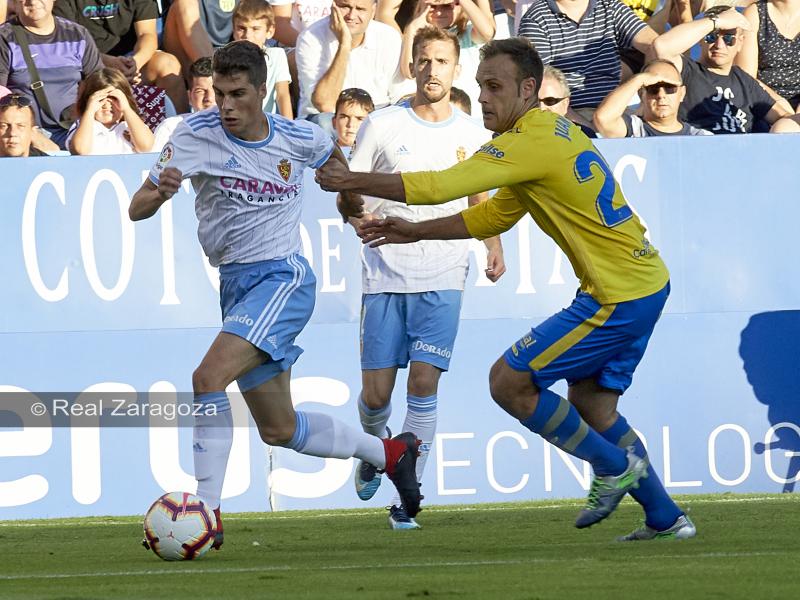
(610, 216)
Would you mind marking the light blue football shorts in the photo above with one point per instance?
(396, 328)
(267, 303)
(589, 340)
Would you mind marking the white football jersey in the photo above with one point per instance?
(249, 194)
(395, 139)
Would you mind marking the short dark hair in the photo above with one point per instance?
(522, 53)
(429, 33)
(201, 68)
(461, 99)
(241, 57)
(355, 96)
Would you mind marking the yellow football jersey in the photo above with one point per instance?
(547, 167)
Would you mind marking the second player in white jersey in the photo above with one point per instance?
(412, 293)
(396, 139)
(248, 193)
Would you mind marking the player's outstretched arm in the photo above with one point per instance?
(149, 198)
(334, 176)
(393, 230)
(349, 204)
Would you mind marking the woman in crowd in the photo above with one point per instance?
(771, 50)
(109, 120)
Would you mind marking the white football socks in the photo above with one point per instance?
(421, 416)
(213, 438)
(374, 420)
(317, 434)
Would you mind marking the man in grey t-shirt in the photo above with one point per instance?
(661, 92)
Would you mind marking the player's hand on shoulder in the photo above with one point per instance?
(495, 264)
(391, 230)
(169, 182)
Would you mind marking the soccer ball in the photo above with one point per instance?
(179, 526)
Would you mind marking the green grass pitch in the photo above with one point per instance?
(747, 547)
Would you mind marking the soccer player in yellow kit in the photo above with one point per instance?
(545, 166)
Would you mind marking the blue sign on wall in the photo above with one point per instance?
(95, 303)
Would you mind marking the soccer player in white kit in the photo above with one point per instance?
(412, 293)
(247, 171)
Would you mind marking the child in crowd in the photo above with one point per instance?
(254, 21)
(109, 121)
(352, 107)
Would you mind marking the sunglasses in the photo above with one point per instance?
(354, 94)
(550, 101)
(667, 87)
(15, 100)
(728, 38)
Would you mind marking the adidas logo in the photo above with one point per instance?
(402, 150)
(273, 339)
(198, 447)
(232, 163)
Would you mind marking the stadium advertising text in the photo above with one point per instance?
(97, 306)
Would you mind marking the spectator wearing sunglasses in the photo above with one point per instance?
(661, 92)
(554, 95)
(17, 124)
(720, 97)
(771, 50)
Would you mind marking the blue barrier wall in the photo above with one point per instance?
(92, 302)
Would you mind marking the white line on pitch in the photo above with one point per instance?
(425, 565)
(283, 515)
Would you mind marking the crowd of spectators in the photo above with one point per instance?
(103, 77)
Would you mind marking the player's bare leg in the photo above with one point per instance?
(663, 518)
(557, 421)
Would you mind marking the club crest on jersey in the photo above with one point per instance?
(461, 154)
(166, 155)
(285, 169)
